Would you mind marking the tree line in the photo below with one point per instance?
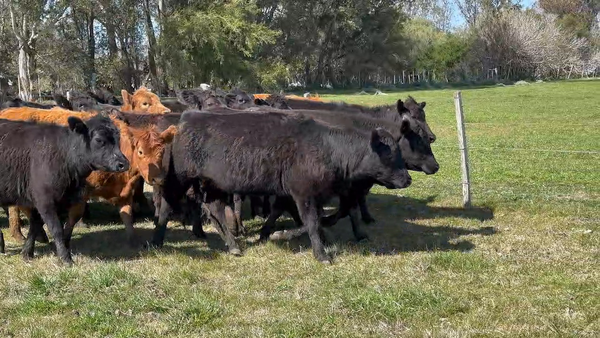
(266, 45)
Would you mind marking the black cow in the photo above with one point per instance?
(17, 102)
(105, 96)
(274, 100)
(44, 168)
(62, 101)
(278, 154)
(202, 99)
(390, 112)
(174, 105)
(413, 142)
(90, 101)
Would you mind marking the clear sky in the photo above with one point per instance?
(458, 20)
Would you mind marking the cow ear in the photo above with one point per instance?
(77, 125)
(375, 138)
(405, 125)
(422, 104)
(187, 97)
(127, 99)
(117, 114)
(401, 108)
(168, 135)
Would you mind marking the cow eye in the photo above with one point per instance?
(99, 141)
(140, 152)
(145, 104)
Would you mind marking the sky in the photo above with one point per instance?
(458, 20)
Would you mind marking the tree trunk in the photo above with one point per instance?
(111, 36)
(91, 74)
(26, 87)
(151, 48)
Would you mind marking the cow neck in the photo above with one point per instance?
(348, 151)
(127, 144)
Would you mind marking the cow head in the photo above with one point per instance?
(415, 110)
(102, 142)
(81, 101)
(414, 143)
(143, 101)
(62, 101)
(202, 99)
(276, 101)
(149, 148)
(388, 169)
(239, 99)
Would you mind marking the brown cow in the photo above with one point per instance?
(143, 147)
(143, 101)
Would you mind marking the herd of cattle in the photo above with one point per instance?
(202, 154)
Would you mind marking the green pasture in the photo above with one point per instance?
(524, 261)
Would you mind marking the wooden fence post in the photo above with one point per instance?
(462, 145)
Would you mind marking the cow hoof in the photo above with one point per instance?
(369, 220)
(199, 234)
(362, 238)
(326, 261)
(27, 257)
(235, 252)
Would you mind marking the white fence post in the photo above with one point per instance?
(462, 145)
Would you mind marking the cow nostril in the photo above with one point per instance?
(121, 165)
(431, 139)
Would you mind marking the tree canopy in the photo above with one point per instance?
(56, 45)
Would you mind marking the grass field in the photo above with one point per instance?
(523, 262)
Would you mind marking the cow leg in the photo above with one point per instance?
(280, 205)
(35, 226)
(197, 213)
(356, 230)
(276, 212)
(197, 221)
(266, 206)
(362, 203)
(309, 211)
(216, 210)
(41, 236)
(50, 217)
(255, 203)
(126, 216)
(14, 224)
(238, 201)
(76, 212)
(160, 225)
(2, 249)
(86, 216)
(138, 195)
(156, 198)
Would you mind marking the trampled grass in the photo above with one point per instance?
(524, 261)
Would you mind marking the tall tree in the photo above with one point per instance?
(28, 18)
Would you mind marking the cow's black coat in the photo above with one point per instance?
(278, 154)
(44, 168)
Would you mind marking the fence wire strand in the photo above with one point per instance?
(589, 152)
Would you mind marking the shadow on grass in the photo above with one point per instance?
(394, 232)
